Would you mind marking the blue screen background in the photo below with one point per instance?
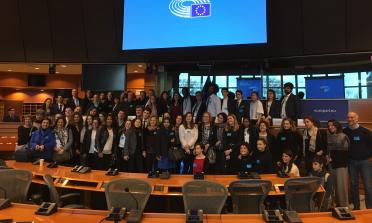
(248, 86)
(317, 88)
(150, 24)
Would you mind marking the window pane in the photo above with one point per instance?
(274, 81)
(205, 79)
(232, 81)
(302, 90)
(351, 79)
(289, 78)
(334, 74)
(352, 92)
(318, 75)
(364, 78)
(264, 81)
(184, 78)
(221, 81)
(278, 92)
(301, 80)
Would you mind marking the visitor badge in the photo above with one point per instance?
(110, 106)
(114, 136)
(46, 137)
(245, 134)
(240, 110)
(57, 138)
(143, 105)
(171, 133)
(249, 165)
(258, 161)
(226, 109)
(268, 106)
(99, 108)
(228, 134)
(188, 132)
(194, 165)
(154, 133)
(356, 138)
(32, 133)
(139, 134)
(210, 102)
(122, 138)
(131, 106)
(283, 138)
(307, 137)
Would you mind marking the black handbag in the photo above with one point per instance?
(175, 154)
(25, 155)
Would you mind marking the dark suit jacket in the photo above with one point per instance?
(115, 110)
(140, 102)
(55, 109)
(129, 107)
(242, 111)
(231, 105)
(293, 108)
(70, 103)
(84, 104)
(8, 119)
(192, 99)
(199, 115)
(108, 105)
(274, 112)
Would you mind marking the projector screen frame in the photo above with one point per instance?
(325, 78)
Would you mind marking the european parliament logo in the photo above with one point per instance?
(185, 8)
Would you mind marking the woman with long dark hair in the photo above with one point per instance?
(106, 144)
(127, 143)
(288, 164)
(164, 103)
(89, 144)
(93, 111)
(135, 162)
(75, 123)
(271, 107)
(188, 137)
(177, 143)
(88, 125)
(64, 138)
(249, 133)
(222, 119)
(46, 107)
(176, 108)
(165, 137)
(264, 133)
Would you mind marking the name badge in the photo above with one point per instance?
(131, 106)
(240, 110)
(194, 165)
(46, 137)
(245, 134)
(356, 138)
(226, 109)
(122, 138)
(99, 108)
(210, 102)
(249, 165)
(283, 138)
(268, 106)
(172, 133)
(110, 106)
(188, 132)
(228, 134)
(154, 133)
(57, 138)
(114, 136)
(258, 161)
(307, 137)
(139, 134)
(143, 105)
(32, 133)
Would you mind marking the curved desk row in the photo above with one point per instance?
(25, 213)
(96, 180)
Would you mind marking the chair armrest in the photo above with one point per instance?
(69, 196)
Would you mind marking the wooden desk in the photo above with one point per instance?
(26, 213)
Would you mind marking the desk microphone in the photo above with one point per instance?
(4, 202)
(292, 216)
(127, 190)
(135, 215)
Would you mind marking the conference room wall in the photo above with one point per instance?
(91, 31)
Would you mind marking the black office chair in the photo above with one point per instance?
(60, 201)
(207, 195)
(299, 194)
(246, 194)
(16, 183)
(117, 197)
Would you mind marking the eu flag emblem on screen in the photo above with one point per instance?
(200, 10)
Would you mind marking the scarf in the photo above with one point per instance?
(338, 141)
(220, 128)
(62, 135)
(312, 143)
(42, 134)
(320, 173)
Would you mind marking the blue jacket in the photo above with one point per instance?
(49, 142)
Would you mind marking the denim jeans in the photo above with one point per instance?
(364, 168)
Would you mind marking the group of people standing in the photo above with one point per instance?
(216, 136)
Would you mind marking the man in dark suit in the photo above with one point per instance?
(86, 100)
(11, 116)
(59, 107)
(227, 104)
(129, 107)
(290, 104)
(142, 99)
(242, 107)
(188, 101)
(74, 101)
(199, 108)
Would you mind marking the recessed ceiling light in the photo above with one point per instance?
(41, 90)
(9, 70)
(135, 71)
(140, 66)
(36, 68)
(63, 65)
(57, 72)
(17, 89)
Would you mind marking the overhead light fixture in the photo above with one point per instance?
(41, 90)
(140, 65)
(57, 72)
(36, 68)
(135, 71)
(9, 70)
(17, 89)
(63, 65)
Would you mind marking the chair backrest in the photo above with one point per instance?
(16, 183)
(117, 197)
(305, 189)
(54, 196)
(204, 194)
(248, 196)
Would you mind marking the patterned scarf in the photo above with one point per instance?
(312, 143)
(62, 135)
